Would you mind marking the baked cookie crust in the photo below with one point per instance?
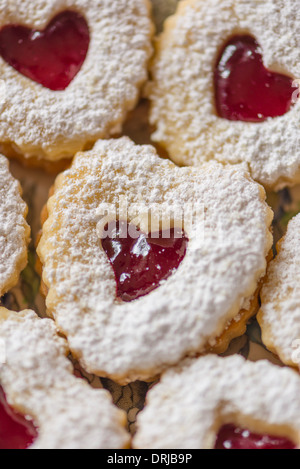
(38, 381)
(197, 398)
(14, 232)
(279, 316)
(183, 96)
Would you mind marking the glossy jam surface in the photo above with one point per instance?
(245, 89)
(232, 437)
(16, 432)
(51, 57)
(141, 262)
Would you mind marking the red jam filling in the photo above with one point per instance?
(141, 262)
(232, 437)
(16, 432)
(245, 89)
(51, 57)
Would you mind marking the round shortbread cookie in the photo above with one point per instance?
(38, 381)
(197, 399)
(183, 91)
(36, 121)
(14, 231)
(225, 258)
(279, 315)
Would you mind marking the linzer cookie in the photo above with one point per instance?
(222, 403)
(279, 316)
(14, 231)
(42, 404)
(70, 70)
(145, 262)
(225, 86)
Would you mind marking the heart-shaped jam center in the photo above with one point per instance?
(52, 57)
(232, 437)
(142, 262)
(16, 432)
(245, 89)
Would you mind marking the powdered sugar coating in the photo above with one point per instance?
(14, 231)
(137, 340)
(39, 122)
(38, 381)
(198, 398)
(183, 96)
(280, 311)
